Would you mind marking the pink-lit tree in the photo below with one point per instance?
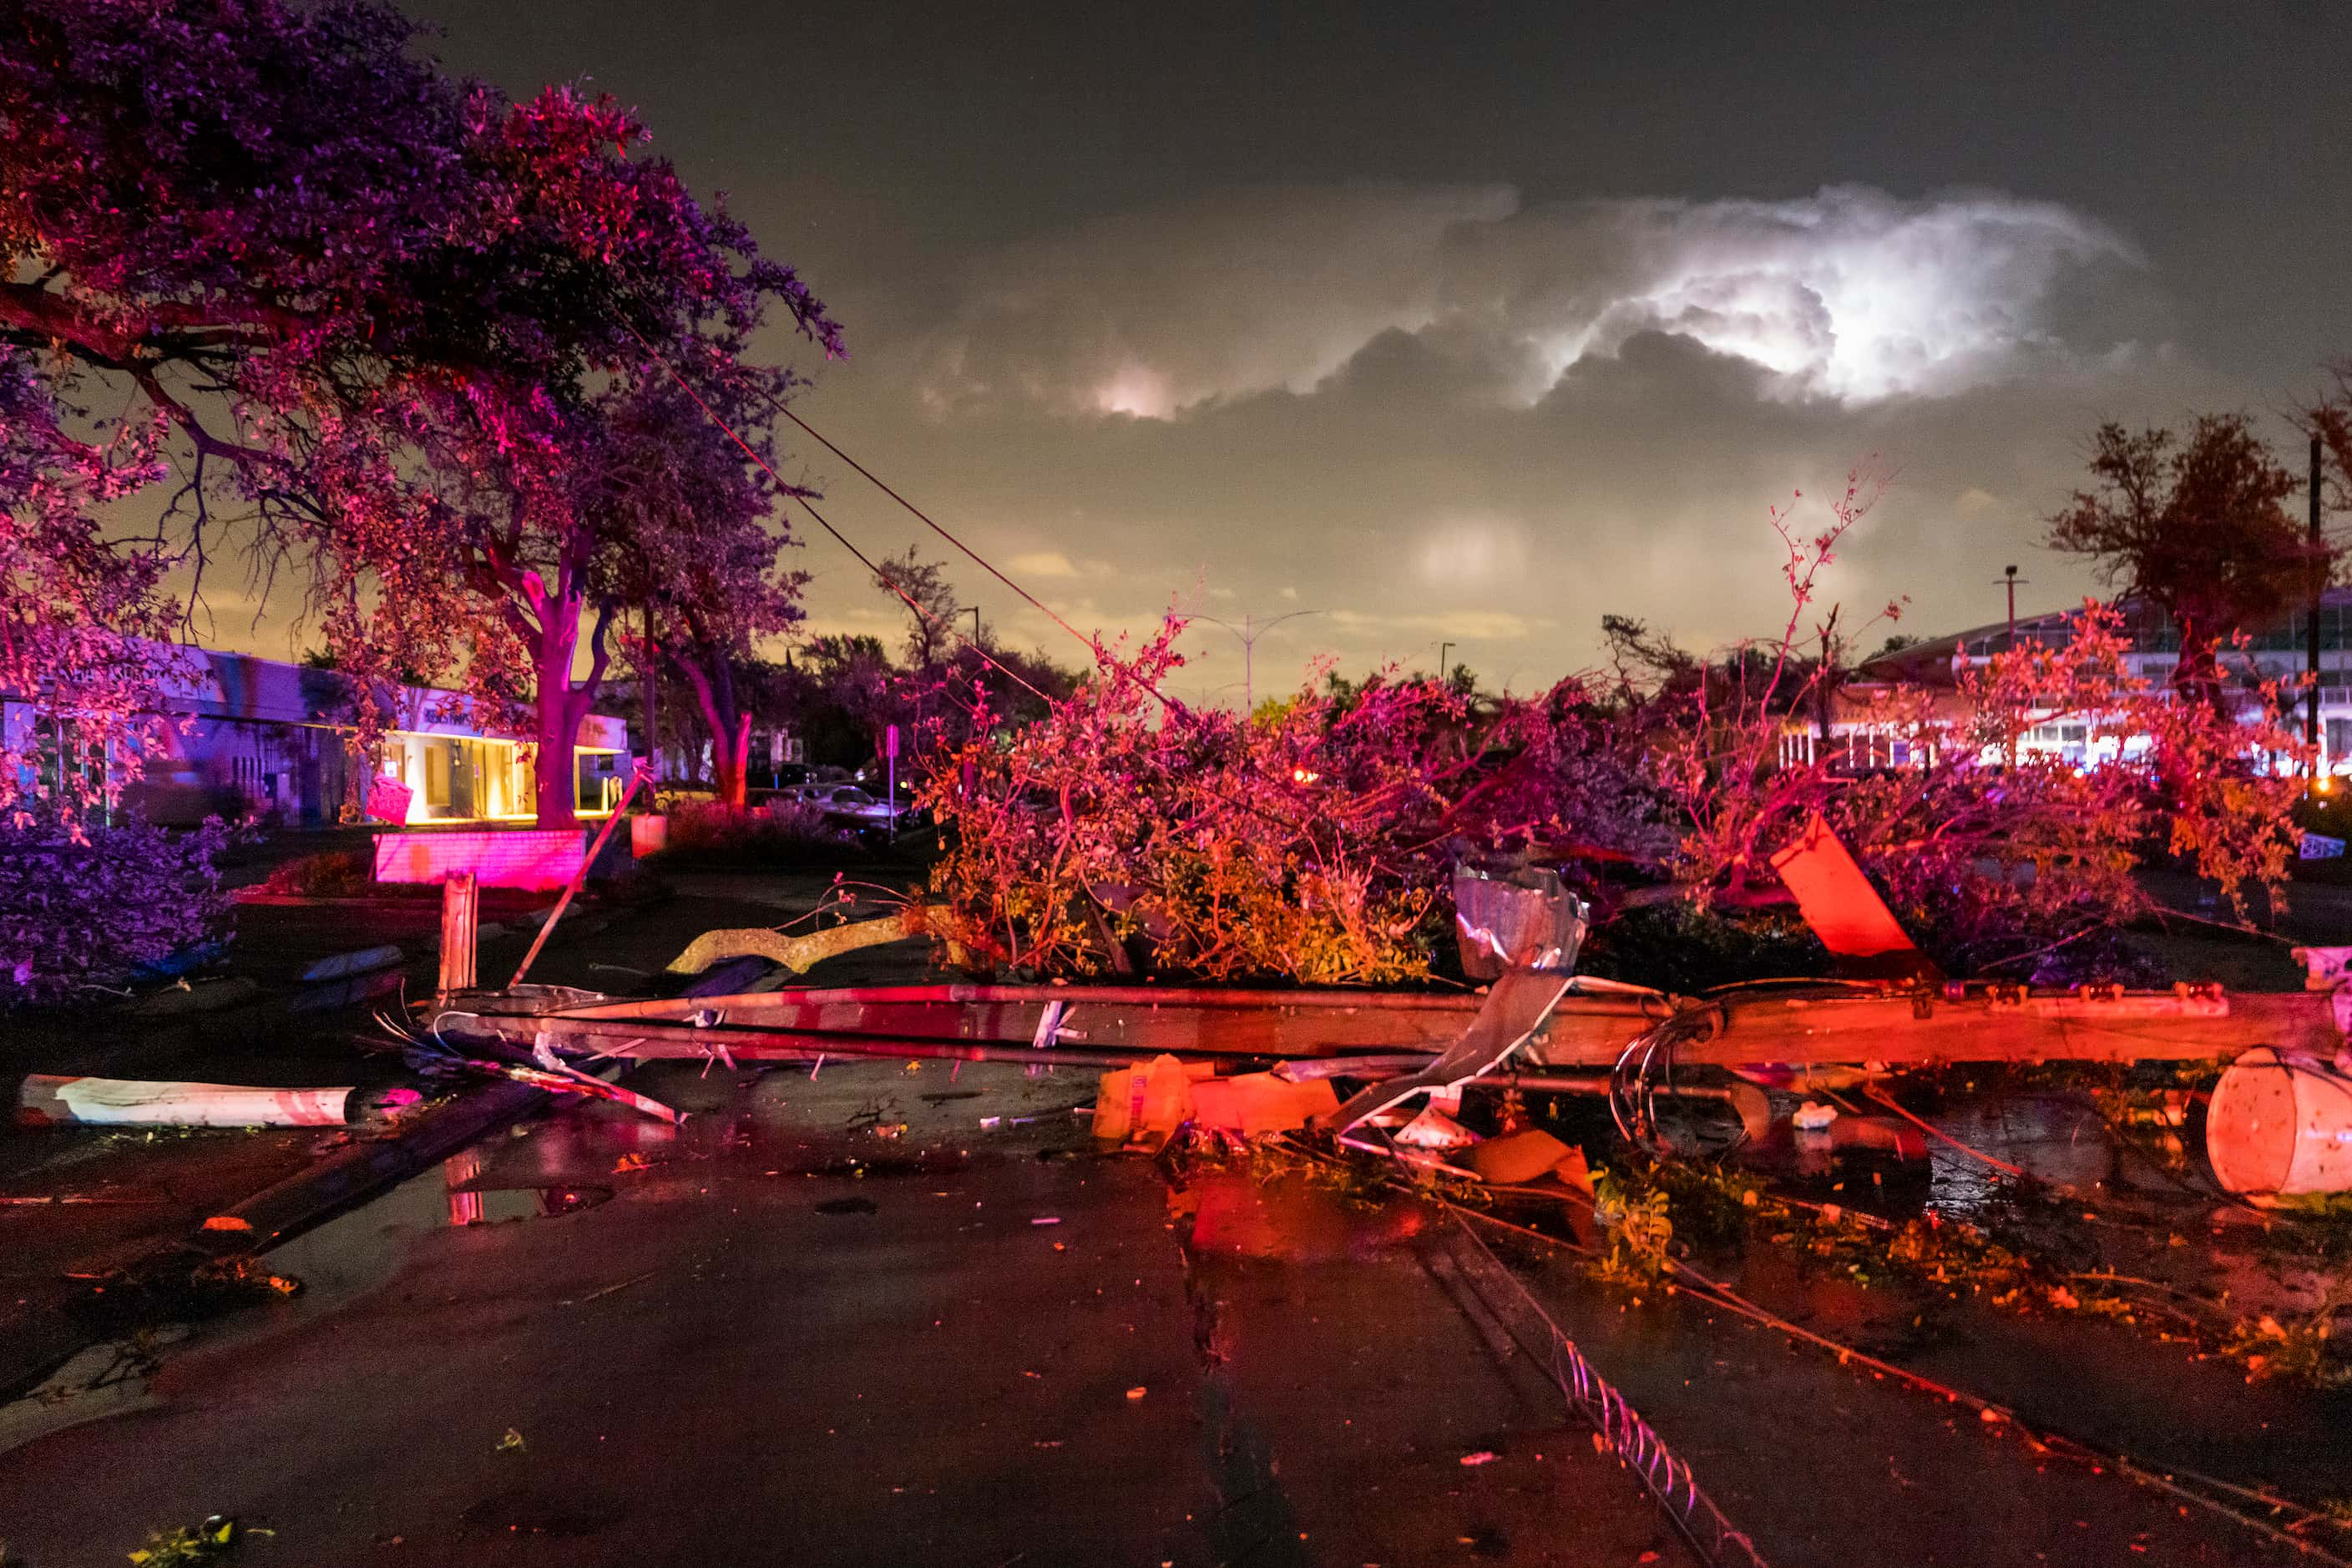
(77, 616)
(383, 312)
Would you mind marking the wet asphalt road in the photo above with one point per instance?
(754, 1352)
(784, 1337)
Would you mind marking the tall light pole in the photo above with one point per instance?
(1444, 673)
(2009, 575)
(2318, 586)
(1249, 631)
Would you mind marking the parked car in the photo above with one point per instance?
(847, 800)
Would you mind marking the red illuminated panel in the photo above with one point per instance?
(1837, 900)
(527, 857)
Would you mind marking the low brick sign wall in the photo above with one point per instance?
(519, 857)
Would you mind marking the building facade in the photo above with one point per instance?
(1860, 735)
(252, 737)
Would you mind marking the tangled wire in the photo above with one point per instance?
(1647, 1063)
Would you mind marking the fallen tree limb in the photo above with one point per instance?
(797, 954)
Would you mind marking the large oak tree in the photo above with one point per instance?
(385, 315)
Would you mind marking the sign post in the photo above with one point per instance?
(890, 764)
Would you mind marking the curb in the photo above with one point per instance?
(36, 1340)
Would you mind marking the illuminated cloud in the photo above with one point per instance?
(1472, 551)
(1149, 314)
(1042, 563)
(1435, 415)
(1848, 295)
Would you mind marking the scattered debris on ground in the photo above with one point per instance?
(214, 1541)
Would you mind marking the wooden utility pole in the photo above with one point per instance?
(2009, 575)
(461, 910)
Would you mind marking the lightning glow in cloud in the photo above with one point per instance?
(1850, 294)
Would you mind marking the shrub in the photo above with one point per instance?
(699, 829)
(83, 910)
(339, 872)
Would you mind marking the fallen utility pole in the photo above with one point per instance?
(50, 1100)
(1825, 1025)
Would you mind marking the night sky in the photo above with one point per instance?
(1473, 322)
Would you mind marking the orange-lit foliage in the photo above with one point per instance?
(1309, 843)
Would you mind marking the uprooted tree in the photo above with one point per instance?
(1124, 831)
(1310, 842)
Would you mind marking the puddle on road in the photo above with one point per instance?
(1240, 1213)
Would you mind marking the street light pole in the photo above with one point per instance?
(1444, 673)
(1249, 631)
(2010, 577)
(2318, 586)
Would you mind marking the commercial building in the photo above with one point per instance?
(1862, 732)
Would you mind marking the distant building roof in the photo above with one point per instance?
(1930, 659)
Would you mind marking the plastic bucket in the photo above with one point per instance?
(649, 835)
(2280, 1124)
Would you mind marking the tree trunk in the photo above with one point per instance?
(743, 743)
(713, 680)
(555, 728)
(559, 705)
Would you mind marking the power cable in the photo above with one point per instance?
(880, 576)
(983, 560)
(885, 578)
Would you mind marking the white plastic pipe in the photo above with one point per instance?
(127, 1103)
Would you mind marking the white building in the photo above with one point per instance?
(1864, 734)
